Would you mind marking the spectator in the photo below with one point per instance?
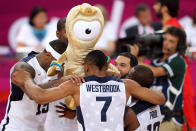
(191, 32)
(106, 42)
(35, 33)
(143, 14)
(167, 11)
(169, 71)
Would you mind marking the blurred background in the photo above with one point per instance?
(119, 16)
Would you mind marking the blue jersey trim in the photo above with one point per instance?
(141, 106)
(7, 119)
(30, 56)
(102, 79)
(80, 117)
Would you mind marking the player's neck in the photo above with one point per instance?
(97, 73)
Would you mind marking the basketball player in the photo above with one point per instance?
(53, 121)
(22, 113)
(149, 115)
(100, 100)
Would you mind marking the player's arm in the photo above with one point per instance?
(19, 80)
(57, 82)
(130, 120)
(157, 71)
(134, 89)
(43, 96)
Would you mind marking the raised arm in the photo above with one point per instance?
(134, 89)
(19, 79)
(43, 96)
(38, 94)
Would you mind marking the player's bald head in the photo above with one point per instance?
(142, 75)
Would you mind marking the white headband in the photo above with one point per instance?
(55, 54)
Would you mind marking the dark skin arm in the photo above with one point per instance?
(26, 67)
(142, 93)
(50, 84)
(130, 120)
(23, 78)
(65, 111)
(43, 96)
(19, 81)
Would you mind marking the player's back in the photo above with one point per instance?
(148, 115)
(22, 113)
(53, 122)
(102, 104)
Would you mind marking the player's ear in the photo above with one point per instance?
(106, 67)
(86, 68)
(57, 34)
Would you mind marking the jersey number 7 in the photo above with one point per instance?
(108, 101)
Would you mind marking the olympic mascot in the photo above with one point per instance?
(84, 26)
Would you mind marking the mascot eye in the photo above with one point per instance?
(87, 30)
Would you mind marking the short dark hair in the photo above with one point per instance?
(177, 32)
(133, 59)
(139, 8)
(34, 12)
(61, 24)
(172, 5)
(142, 75)
(96, 58)
(59, 46)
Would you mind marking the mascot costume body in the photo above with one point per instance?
(84, 26)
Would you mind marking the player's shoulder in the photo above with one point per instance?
(128, 81)
(29, 57)
(102, 79)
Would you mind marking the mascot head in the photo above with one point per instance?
(84, 26)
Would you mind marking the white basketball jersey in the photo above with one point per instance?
(53, 122)
(102, 104)
(23, 114)
(149, 119)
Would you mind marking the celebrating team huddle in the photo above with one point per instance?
(94, 95)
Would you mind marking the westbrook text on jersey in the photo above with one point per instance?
(102, 88)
